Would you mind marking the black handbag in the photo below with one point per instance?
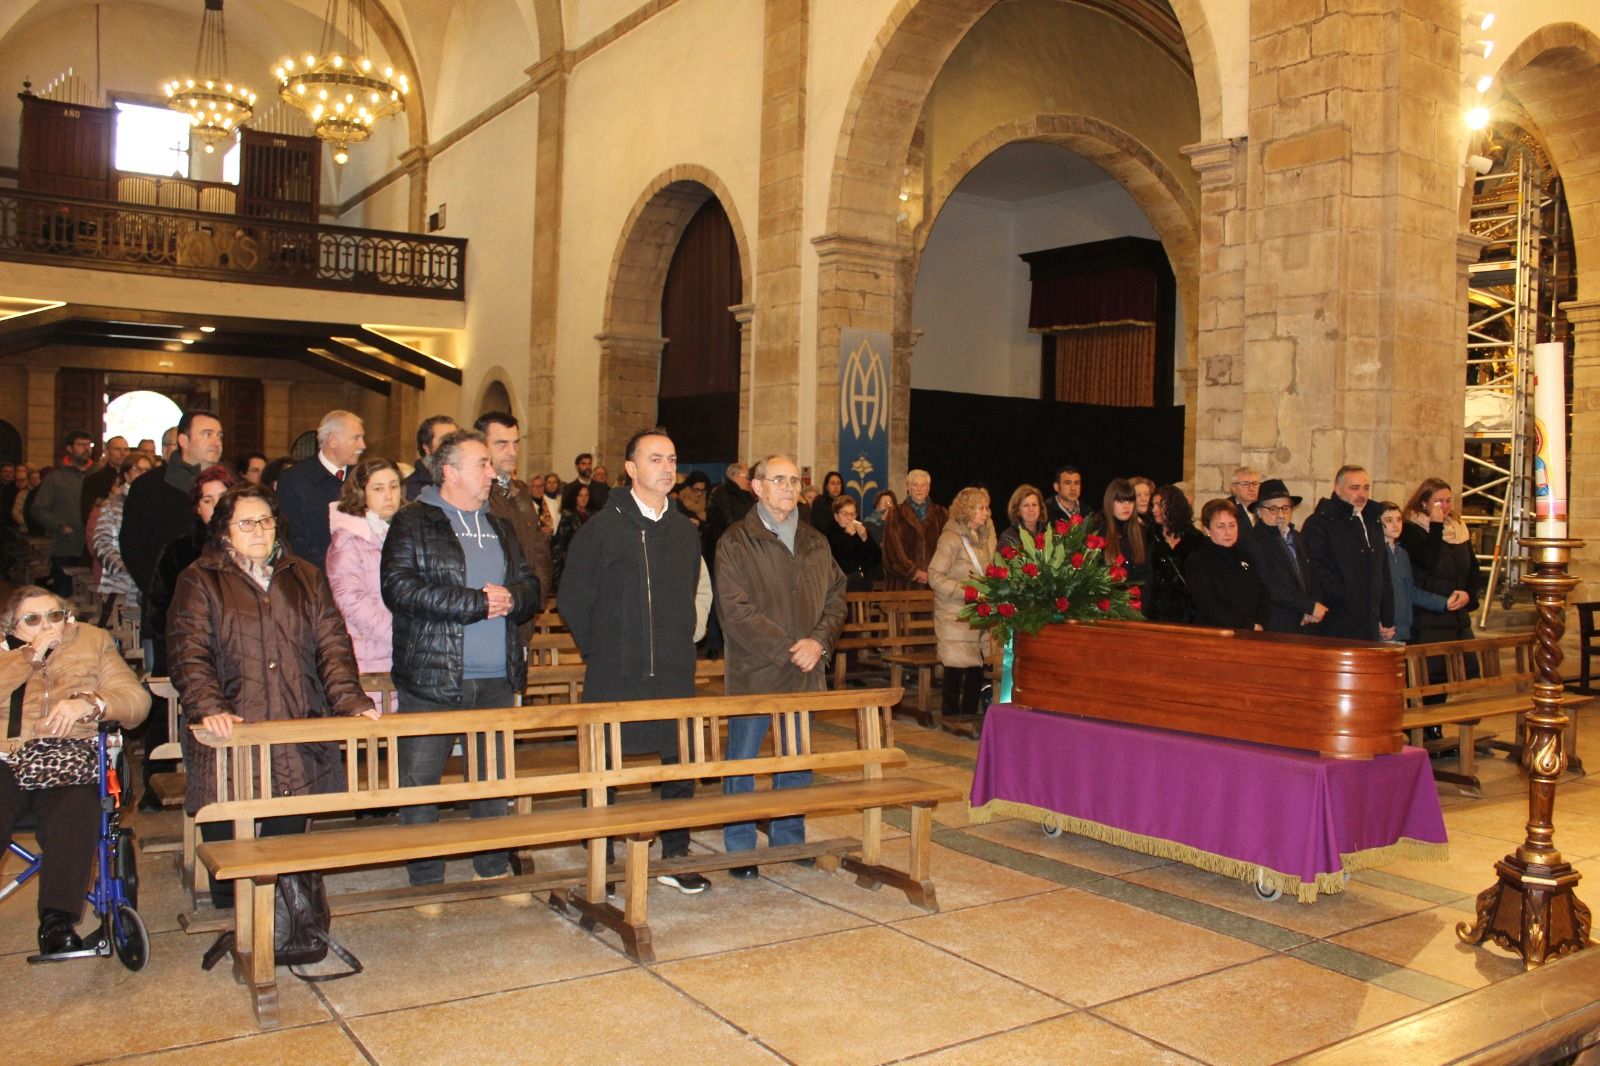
(300, 930)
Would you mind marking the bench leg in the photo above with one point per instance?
(255, 958)
(915, 883)
(932, 714)
(630, 924)
(1468, 745)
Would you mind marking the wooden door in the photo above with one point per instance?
(66, 148)
(80, 402)
(241, 408)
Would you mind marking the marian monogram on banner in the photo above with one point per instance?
(863, 413)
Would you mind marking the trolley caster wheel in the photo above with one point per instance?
(130, 938)
(1263, 893)
(1051, 827)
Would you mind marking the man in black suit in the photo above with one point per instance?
(1244, 491)
(306, 489)
(1278, 552)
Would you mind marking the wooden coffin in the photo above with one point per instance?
(1333, 697)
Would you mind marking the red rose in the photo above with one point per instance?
(1030, 569)
(970, 593)
(1061, 529)
(1077, 520)
(1077, 560)
(983, 610)
(1008, 552)
(994, 571)
(1120, 560)
(1093, 541)
(1133, 598)
(1038, 541)
(1062, 603)
(1006, 610)
(1105, 606)
(1118, 574)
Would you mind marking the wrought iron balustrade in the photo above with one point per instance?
(61, 230)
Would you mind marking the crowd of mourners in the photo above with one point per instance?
(265, 589)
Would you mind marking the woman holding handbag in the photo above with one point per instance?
(61, 679)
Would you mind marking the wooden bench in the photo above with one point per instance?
(563, 682)
(699, 723)
(1504, 685)
(879, 622)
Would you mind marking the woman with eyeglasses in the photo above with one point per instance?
(254, 635)
(1124, 534)
(61, 679)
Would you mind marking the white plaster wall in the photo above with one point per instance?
(973, 291)
(486, 51)
(700, 68)
(583, 19)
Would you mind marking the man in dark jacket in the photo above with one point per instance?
(588, 474)
(1277, 551)
(1349, 566)
(628, 595)
(457, 585)
(57, 508)
(513, 500)
(780, 597)
(160, 507)
(729, 502)
(306, 489)
(432, 430)
(97, 484)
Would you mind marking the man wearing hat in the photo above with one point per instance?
(1278, 552)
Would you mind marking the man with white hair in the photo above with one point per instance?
(306, 489)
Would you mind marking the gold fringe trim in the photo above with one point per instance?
(1304, 891)
(1093, 325)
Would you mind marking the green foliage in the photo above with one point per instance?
(1062, 575)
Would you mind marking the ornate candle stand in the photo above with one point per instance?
(1534, 909)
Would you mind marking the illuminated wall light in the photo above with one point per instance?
(1484, 83)
(1479, 20)
(1477, 118)
(1481, 49)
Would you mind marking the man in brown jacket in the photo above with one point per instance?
(511, 499)
(780, 597)
(910, 534)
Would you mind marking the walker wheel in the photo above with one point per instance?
(130, 938)
(1051, 827)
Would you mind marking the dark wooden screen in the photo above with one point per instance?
(80, 402)
(66, 149)
(10, 443)
(240, 406)
(699, 387)
(279, 175)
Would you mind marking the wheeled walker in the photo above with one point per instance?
(114, 895)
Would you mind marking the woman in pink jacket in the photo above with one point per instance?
(359, 521)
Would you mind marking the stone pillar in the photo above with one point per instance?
(1583, 486)
(628, 399)
(538, 433)
(40, 434)
(744, 314)
(275, 435)
(1350, 274)
(415, 163)
(856, 282)
(1214, 391)
(775, 395)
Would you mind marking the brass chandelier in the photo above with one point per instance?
(342, 95)
(214, 105)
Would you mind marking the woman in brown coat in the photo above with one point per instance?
(910, 533)
(62, 678)
(254, 635)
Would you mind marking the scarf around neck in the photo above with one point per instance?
(259, 572)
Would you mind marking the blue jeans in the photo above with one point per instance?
(422, 762)
(745, 735)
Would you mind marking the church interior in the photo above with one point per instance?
(981, 238)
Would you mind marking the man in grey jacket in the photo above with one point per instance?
(58, 509)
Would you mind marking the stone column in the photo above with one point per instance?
(856, 283)
(1583, 486)
(1214, 392)
(538, 434)
(775, 395)
(1350, 274)
(414, 161)
(744, 314)
(628, 398)
(40, 434)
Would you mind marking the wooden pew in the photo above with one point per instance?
(1504, 685)
(857, 784)
(882, 622)
(563, 681)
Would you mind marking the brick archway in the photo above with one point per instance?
(630, 339)
(866, 258)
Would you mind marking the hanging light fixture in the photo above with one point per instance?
(214, 105)
(343, 96)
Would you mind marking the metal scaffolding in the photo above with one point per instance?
(1511, 210)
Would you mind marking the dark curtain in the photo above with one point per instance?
(698, 397)
(1119, 295)
(1113, 365)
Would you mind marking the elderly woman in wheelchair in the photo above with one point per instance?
(60, 679)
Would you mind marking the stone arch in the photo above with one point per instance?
(630, 338)
(866, 260)
(496, 394)
(1151, 184)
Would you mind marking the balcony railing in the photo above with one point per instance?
(60, 230)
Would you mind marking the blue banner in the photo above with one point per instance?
(864, 414)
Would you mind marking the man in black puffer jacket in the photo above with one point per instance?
(1349, 564)
(454, 578)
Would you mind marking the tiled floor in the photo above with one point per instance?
(1046, 950)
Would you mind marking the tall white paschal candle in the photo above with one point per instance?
(1550, 439)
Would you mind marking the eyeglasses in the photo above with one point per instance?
(1248, 484)
(250, 525)
(784, 482)
(35, 618)
(1276, 508)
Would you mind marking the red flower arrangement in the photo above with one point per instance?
(1059, 575)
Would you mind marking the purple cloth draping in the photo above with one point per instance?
(1285, 810)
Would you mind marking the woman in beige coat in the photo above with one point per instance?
(964, 548)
